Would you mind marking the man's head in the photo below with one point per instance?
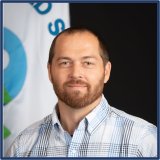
(102, 49)
(78, 67)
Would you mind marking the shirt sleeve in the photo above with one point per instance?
(12, 151)
(148, 142)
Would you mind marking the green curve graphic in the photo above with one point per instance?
(6, 132)
(6, 97)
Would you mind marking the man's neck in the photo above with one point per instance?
(70, 117)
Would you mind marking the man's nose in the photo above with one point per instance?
(76, 71)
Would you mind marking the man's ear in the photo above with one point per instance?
(107, 71)
(49, 72)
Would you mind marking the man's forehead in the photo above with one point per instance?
(76, 33)
(82, 43)
(77, 40)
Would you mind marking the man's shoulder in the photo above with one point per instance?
(37, 125)
(130, 119)
(134, 131)
(34, 129)
(27, 138)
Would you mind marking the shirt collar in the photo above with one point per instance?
(93, 119)
(97, 115)
(55, 120)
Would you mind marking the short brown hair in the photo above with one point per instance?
(103, 51)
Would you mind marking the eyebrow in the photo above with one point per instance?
(89, 57)
(68, 58)
(65, 58)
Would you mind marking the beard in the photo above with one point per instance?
(76, 99)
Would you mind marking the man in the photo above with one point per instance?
(83, 124)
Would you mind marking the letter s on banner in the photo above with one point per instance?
(59, 26)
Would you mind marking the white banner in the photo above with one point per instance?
(28, 30)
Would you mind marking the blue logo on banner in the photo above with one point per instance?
(39, 7)
(59, 26)
(15, 71)
(44, 8)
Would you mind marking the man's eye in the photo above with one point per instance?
(88, 63)
(65, 63)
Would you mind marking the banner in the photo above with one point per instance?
(28, 30)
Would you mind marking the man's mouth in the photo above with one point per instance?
(76, 85)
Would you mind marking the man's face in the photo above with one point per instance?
(77, 71)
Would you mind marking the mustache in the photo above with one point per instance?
(76, 81)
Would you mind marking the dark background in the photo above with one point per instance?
(130, 34)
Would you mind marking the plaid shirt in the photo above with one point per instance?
(104, 132)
